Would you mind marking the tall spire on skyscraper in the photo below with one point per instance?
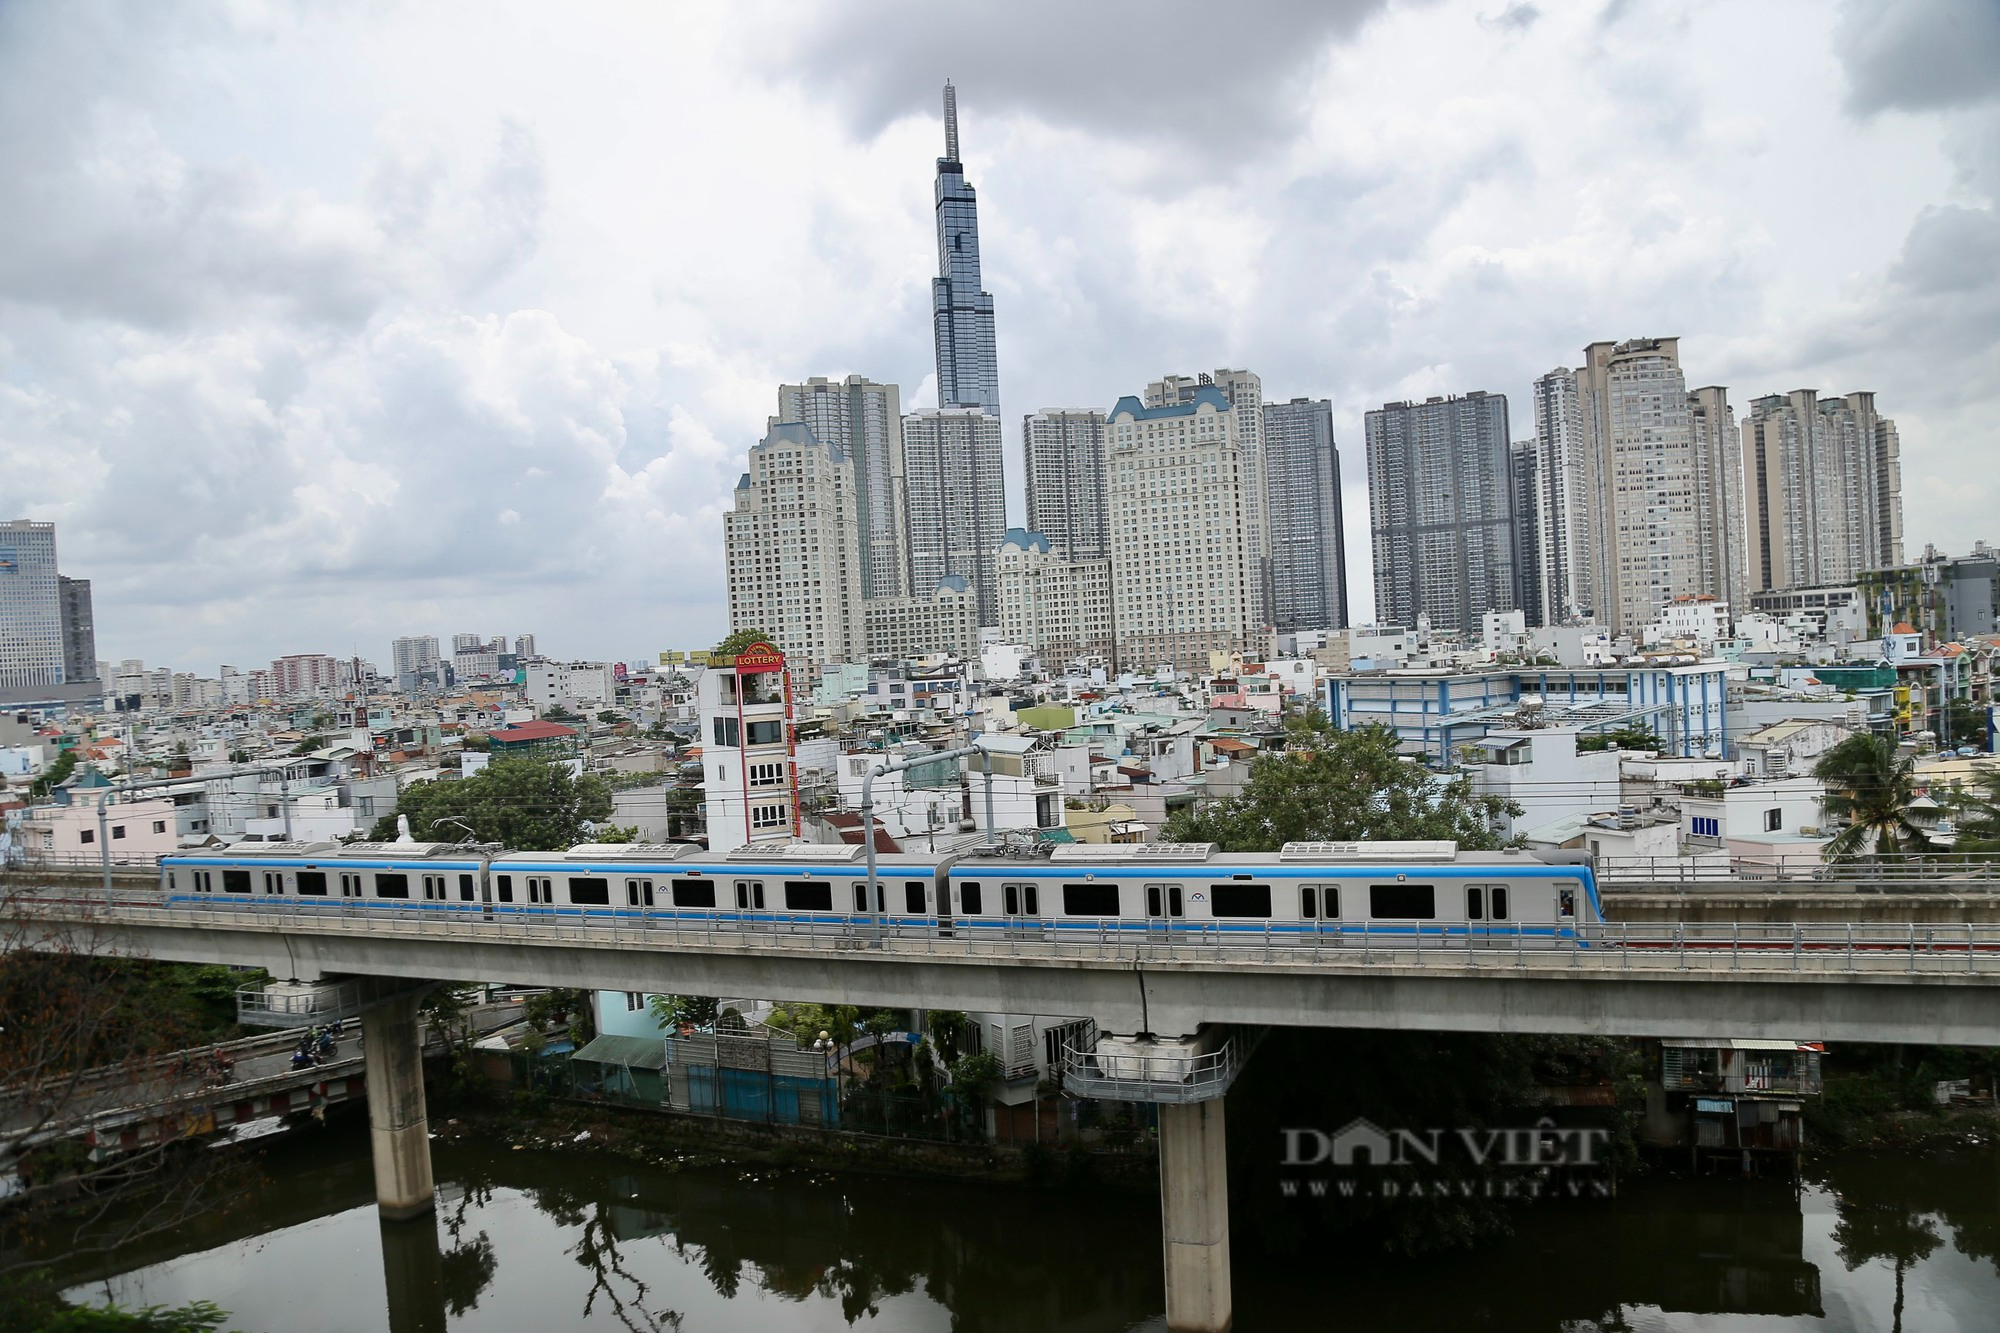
(950, 122)
(961, 314)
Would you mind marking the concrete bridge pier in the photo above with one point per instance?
(1194, 1215)
(413, 1275)
(398, 1125)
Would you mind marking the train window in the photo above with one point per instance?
(694, 893)
(1497, 899)
(392, 886)
(465, 888)
(503, 888)
(1030, 899)
(590, 892)
(860, 895)
(1153, 900)
(312, 883)
(1010, 897)
(350, 886)
(170, 879)
(1402, 902)
(968, 898)
(808, 895)
(1475, 903)
(1329, 902)
(236, 881)
(1308, 903)
(1093, 899)
(1566, 903)
(913, 897)
(1239, 899)
(1173, 900)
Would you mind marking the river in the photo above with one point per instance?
(544, 1239)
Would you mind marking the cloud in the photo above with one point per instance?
(1920, 55)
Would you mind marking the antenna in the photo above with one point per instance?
(950, 122)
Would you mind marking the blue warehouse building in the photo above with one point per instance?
(1436, 712)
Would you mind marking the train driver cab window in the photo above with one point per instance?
(969, 898)
(312, 883)
(913, 897)
(1566, 903)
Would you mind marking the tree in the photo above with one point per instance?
(1870, 789)
(1625, 738)
(737, 642)
(697, 1011)
(1340, 786)
(1977, 813)
(609, 718)
(309, 744)
(566, 1011)
(557, 713)
(528, 805)
(57, 774)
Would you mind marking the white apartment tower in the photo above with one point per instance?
(1063, 453)
(1244, 393)
(1181, 554)
(31, 611)
(865, 419)
(1824, 489)
(792, 550)
(1640, 458)
(1562, 510)
(1060, 609)
(957, 498)
(1718, 496)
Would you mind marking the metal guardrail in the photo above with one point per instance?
(1162, 1072)
(1967, 950)
(1940, 872)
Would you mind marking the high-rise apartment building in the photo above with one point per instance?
(1564, 568)
(524, 645)
(79, 630)
(956, 497)
(48, 648)
(1244, 392)
(1524, 464)
(1180, 552)
(1060, 609)
(1308, 582)
(865, 419)
(415, 661)
(294, 675)
(946, 621)
(1718, 497)
(1657, 463)
(1063, 452)
(968, 373)
(792, 547)
(467, 643)
(1441, 502)
(1824, 489)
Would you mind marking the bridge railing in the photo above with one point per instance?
(1923, 872)
(1710, 947)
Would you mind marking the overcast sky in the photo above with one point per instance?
(322, 324)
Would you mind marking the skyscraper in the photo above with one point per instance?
(79, 631)
(31, 619)
(1308, 534)
(791, 547)
(1524, 462)
(1244, 392)
(956, 499)
(866, 419)
(1562, 512)
(1718, 497)
(968, 373)
(1063, 450)
(1824, 489)
(1441, 502)
(1179, 554)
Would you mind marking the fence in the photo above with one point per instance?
(1942, 872)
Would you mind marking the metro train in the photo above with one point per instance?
(1307, 892)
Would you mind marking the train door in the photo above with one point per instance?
(1319, 912)
(1489, 916)
(486, 894)
(1020, 904)
(639, 894)
(941, 886)
(1163, 910)
(750, 904)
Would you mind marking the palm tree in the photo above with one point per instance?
(1869, 788)
(1978, 814)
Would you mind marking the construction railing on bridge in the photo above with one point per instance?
(1600, 948)
(1921, 872)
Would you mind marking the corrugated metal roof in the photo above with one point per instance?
(632, 1052)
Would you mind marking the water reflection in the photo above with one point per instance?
(530, 1239)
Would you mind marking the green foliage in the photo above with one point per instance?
(61, 1317)
(698, 1011)
(557, 713)
(947, 1029)
(806, 1021)
(564, 1011)
(523, 804)
(1340, 786)
(56, 774)
(1625, 738)
(239, 756)
(478, 742)
(615, 833)
(973, 1077)
(309, 744)
(1977, 812)
(447, 1010)
(610, 718)
(737, 642)
(1869, 788)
